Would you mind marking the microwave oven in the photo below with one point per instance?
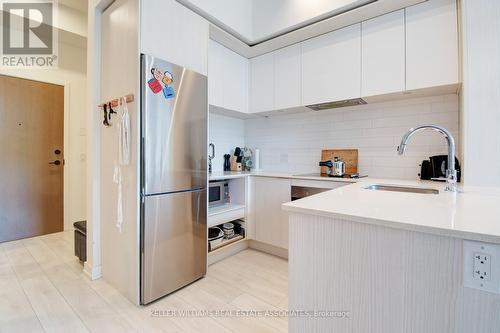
(218, 193)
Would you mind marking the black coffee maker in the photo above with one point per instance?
(435, 168)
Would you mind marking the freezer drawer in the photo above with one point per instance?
(174, 242)
(174, 129)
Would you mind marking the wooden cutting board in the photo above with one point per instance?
(348, 156)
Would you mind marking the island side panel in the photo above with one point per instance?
(389, 280)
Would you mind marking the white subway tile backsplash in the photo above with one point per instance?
(375, 129)
(226, 133)
(293, 143)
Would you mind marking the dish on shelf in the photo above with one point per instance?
(215, 236)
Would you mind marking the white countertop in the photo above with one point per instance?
(473, 214)
(235, 174)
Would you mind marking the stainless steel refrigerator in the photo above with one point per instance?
(173, 177)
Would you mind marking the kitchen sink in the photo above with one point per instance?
(393, 188)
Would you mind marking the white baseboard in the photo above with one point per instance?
(93, 273)
(270, 249)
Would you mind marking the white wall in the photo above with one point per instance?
(481, 92)
(120, 76)
(293, 143)
(72, 20)
(226, 133)
(72, 74)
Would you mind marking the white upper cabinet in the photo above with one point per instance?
(182, 38)
(262, 83)
(235, 68)
(227, 78)
(431, 44)
(331, 66)
(215, 73)
(383, 54)
(287, 77)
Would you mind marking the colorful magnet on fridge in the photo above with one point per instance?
(155, 85)
(157, 74)
(168, 92)
(168, 78)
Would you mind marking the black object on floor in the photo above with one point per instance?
(81, 240)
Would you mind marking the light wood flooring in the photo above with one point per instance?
(43, 289)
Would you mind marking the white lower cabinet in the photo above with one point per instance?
(271, 222)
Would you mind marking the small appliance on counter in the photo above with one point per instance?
(435, 168)
(218, 193)
(336, 167)
(343, 162)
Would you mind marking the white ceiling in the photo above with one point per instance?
(254, 27)
(255, 21)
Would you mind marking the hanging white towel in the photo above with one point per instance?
(117, 178)
(123, 157)
(124, 133)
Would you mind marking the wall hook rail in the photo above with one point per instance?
(117, 101)
(108, 106)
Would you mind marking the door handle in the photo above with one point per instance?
(56, 162)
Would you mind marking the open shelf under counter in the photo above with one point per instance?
(225, 213)
(227, 242)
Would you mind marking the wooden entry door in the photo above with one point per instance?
(31, 158)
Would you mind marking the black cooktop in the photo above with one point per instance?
(346, 176)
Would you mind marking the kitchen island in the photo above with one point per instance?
(390, 262)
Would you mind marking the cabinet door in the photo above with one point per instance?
(235, 69)
(227, 78)
(287, 77)
(331, 66)
(431, 44)
(215, 74)
(262, 83)
(186, 46)
(271, 222)
(383, 54)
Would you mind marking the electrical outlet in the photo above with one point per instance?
(482, 266)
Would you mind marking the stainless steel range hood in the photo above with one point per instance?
(337, 104)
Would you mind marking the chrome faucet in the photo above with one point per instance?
(451, 172)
